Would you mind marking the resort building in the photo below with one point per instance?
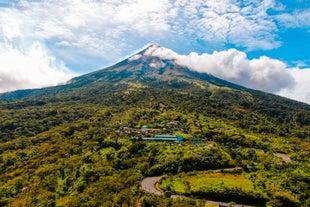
(164, 138)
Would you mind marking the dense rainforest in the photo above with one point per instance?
(70, 145)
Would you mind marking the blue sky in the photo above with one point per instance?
(262, 44)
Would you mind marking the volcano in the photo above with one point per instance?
(81, 143)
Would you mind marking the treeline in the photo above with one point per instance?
(230, 194)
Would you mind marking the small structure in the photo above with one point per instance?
(196, 139)
(164, 138)
(127, 130)
(143, 130)
(172, 124)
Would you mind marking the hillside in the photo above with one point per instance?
(79, 144)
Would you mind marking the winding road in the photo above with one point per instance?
(148, 184)
(284, 157)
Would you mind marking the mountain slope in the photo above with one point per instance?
(146, 70)
(79, 144)
(143, 72)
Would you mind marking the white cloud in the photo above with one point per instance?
(242, 23)
(263, 74)
(112, 29)
(157, 64)
(96, 28)
(10, 27)
(24, 62)
(135, 57)
(31, 69)
(299, 18)
(301, 90)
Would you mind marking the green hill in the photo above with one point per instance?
(78, 144)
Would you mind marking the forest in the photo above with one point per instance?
(66, 145)
(70, 152)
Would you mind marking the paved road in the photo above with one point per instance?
(216, 203)
(148, 184)
(284, 157)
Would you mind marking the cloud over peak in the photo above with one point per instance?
(87, 34)
(264, 74)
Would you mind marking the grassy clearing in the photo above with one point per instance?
(211, 205)
(226, 187)
(184, 183)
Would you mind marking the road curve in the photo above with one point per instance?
(284, 157)
(148, 184)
